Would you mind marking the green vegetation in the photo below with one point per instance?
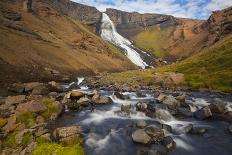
(28, 118)
(153, 40)
(75, 140)
(26, 139)
(10, 141)
(211, 68)
(51, 108)
(42, 140)
(50, 149)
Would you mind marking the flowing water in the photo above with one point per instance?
(107, 130)
(110, 34)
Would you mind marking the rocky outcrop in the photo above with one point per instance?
(129, 24)
(219, 24)
(86, 14)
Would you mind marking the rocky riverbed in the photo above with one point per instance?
(56, 118)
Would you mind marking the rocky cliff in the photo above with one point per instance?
(130, 24)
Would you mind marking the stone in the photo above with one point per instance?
(70, 140)
(75, 95)
(12, 100)
(39, 119)
(141, 107)
(16, 88)
(126, 107)
(161, 97)
(163, 115)
(30, 86)
(3, 122)
(171, 102)
(140, 136)
(184, 112)
(174, 79)
(168, 142)
(41, 131)
(198, 130)
(40, 90)
(166, 127)
(28, 150)
(53, 94)
(101, 99)
(230, 128)
(141, 124)
(31, 106)
(149, 152)
(0, 146)
(27, 6)
(84, 101)
(140, 95)
(155, 133)
(184, 129)
(11, 123)
(181, 98)
(55, 87)
(217, 108)
(120, 96)
(203, 113)
(64, 132)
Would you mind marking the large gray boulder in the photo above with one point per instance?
(171, 102)
(140, 136)
(12, 100)
(64, 132)
(203, 113)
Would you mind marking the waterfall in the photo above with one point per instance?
(110, 34)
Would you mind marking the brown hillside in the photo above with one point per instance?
(45, 43)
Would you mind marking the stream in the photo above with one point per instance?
(107, 131)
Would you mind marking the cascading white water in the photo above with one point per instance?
(109, 33)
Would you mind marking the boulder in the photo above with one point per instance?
(16, 88)
(64, 132)
(149, 152)
(217, 108)
(97, 99)
(120, 96)
(198, 130)
(40, 90)
(141, 107)
(168, 142)
(181, 98)
(140, 95)
(174, 79)
(184, 112)
(141, 124)
(230, 129)
(155, 133)
(171, 102)
(84, 101)
(166, 127)
(30, 86)
(203, 113)
(31, 106)
(12, 100)
(11, 123)
(75, 95)
(55, 87)
(3, 122)
(126, 107)
(163, 115)
(184, 129)
(140, 136)
(161, 97)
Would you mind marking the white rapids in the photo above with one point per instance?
(110, 34)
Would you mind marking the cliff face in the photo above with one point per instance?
(130, 24)
(219, 25)
(86, 14)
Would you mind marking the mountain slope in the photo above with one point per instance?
(211, 69)
(46, 43)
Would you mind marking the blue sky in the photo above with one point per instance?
(200, 9)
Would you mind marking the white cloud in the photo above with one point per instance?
(185, 8)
